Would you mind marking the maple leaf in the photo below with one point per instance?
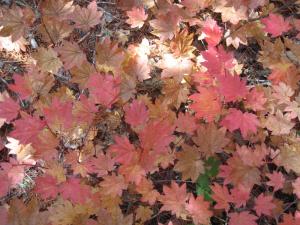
(175, 67)
(104, 89)
(27, 128)
(275, 24)
(137, 16)
(199, 210)
(210, 139)
(211, 32)
(256, 99)
(206, 104)
(217, 60)
(149, 194)
(16, 22)
(9, 109)
(239, 195)
(136, 113)
(279, 123)
(138, 66)
(221, 196)
(113, 185)
(23, 152)
(246, 122)
(47, 60)
(276, 180)
(100, 165)
(57, 9)
(289, 219)
(122, 149)
(232, 88)
(21, 86)
(156, 135)
(189, 163)
(165, 25)
(244, 218)
(196, 5)
(81, 74)
(86, 18)
(252, 157)
(174, 199)
(46, 187)
(71, 55)
(84, 110)
(55, 31)
(264, 205)
(296, 187)
(186, 123)
(74, 191)
(5, 185)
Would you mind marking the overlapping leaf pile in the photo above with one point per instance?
(163, 128)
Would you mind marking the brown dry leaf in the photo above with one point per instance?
(114, 218)
(279, 124)
(289, 157)
(174, 93)
(210, 139)
(26, 214)
(47, 60)
(82, 73)
(65, 213)
(189, 162)
(230, 13)
(23, 152)
(71, 55)
(15, 22)
(143, 213)
(138, 67)
(53, 30)
(109, 57)
(182, 44)
(56, 170)
(57, 9)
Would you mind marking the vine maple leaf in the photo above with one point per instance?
(47, 60)
(27, 128)
(57, 9)
(86, 18)
(113, 185)
(279, 123)
(296, 187)
(189, 163)
(232, 88)
(186, 123)
(174, 199)
(244, 218)
(71, 55)
(246, 122)
(199, 210)
(264, 205)
(136, 113)
(275, 24)
(137, 16)
(104, 89)
(9, 109)
(21, 86)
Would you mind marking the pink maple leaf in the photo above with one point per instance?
(246, 122)
(104, 89)
(275, 24)
(240, 195)
(276, 180)
(122, 149)
(211, 32)
(244, 218)
(137, 16)
(186, 123)
(221, 196)
(20, 86)
(74, 191)
(264, 205)
(199, 210)
(136, 113)
(232, 87)
(27, 128)
(9, 109)
(296, 186)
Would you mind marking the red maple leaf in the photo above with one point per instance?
(236, 119)
(199, 210)
(9, 109)
(136, 113)
(137, 16)
(20, 86)
(104, 89)
(122, 150)
(275, 24)
(46, 187)
(211, 32)
(221, 196)
(276, 180)
(27, 128)
(232, 87)
(186, 123)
